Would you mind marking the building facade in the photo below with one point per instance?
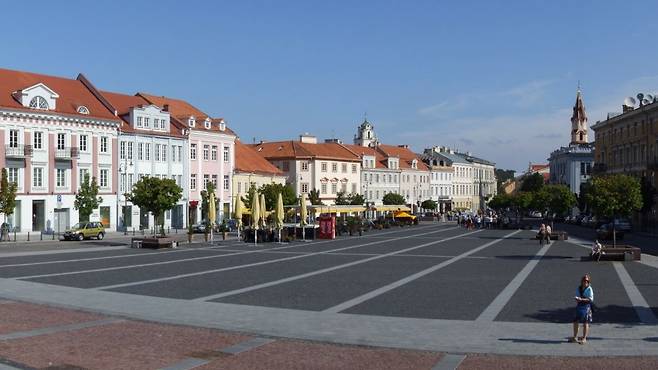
(252, 169)
(55, 132)
(441, 179)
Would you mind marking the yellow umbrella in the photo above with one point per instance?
(303, 214)
(278, 214)
(263, 210)
(239, 209)
(255, 214)
(212, 212)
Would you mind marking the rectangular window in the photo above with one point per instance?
(206, 180)
(304, 187)
(105, 174)
(213, 155)
(61, 141)
(83, 143)
(147, 151)
(226, 182)
(146, 122)
(179, 180)
(13, 138)
(82, 173)
(122, 183)
(37, 178)
(130, 182)
(193, 151)
(323, 188)
(60, 177)
(140, 151)
(104, 144)
(193, 181)
(226, 153)
(173, 153)
(156, 152)
(343, 187)
(353, 188)
(156, 123)
(334, 167)
(206, 149)
(139, 122)
(162, 124)
(122, 150)
(214, 180)
(164, 152)
(12, 175)
(304, 166)
(343, 168)
(180, 153)
(130, 150)
(323, 166)
(353, 168)
(334, 188)
(38, 140)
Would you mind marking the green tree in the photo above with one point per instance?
(522, 201)
(429, 204)
(271, 192)
(533, 182)
(614, 196)
(341, 199)
(356, 199)
(7, 195)
(500, 201)
(393, 199)
(314, 197)
(247, 199)
(585, 189)
(205, 199)
(155, 195)
(87, 199)
(557, 200)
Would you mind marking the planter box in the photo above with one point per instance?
(625, 251)
(157, 243)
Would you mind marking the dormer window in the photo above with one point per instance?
(83, 110)
(222, 125)
(38, 102)
(191, 122)
(414, 164)
(207, 123)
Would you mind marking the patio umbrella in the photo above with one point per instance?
(278, 214)
(263, 210)
(303, 214)
(239, 209)
(255, 214)
(212, 213)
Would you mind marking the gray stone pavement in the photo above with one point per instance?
(451, 336)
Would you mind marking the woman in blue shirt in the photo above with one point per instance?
(584, 299)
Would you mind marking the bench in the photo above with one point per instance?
(557, 235)
(153, 242)
(619, 253)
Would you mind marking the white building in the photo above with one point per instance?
(441, 179)
(380, 175)
(55, 131)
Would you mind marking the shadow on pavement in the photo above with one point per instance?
(611, 314)
(537, 341)
(530, 257)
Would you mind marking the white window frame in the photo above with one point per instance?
(193, 148)
(213, 153)
(82, 143)
(60, 177)
(104, 182)
(37, 177)
(193, 181)
(37, 140)
(104, 146)
(226, 153)
(226, 182)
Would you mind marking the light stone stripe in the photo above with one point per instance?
(58, 329)
(4, 254)
(247, 345)
(640, 305)
(322, 271)
(497, 305)
(370, 295)
(8, 367)
(205, 272)
(449, 362)
(187, 364)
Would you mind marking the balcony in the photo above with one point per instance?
(18, 151)
(66, 154)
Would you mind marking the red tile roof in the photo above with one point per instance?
(248, 160)
(381, 161)
(72, 94)
(182, 110)
(298, 150)
(405, 155)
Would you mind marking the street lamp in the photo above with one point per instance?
(123, 169)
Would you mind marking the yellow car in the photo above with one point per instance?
(85, 230)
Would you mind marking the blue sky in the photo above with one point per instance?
(497, 78)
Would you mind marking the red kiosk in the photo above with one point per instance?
(327, 226)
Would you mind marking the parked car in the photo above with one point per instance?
(535, 214)
(604, 232)
(200, 228)
(85, 230)
(623, 225)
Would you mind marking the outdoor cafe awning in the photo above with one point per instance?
(392, 208)
(403, 214)
(337, 209)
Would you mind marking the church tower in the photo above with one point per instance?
(579, 122)
(365, 135)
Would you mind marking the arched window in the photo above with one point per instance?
(38, 102)
(83, 110)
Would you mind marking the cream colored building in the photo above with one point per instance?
(251, 168)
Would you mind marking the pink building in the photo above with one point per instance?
(55, 131)
(211, 153)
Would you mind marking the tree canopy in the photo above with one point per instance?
(500, 201)
(341, 199)
(87, 199)
(429, 204)
(614, 195)
(271, 192)
(393, 199)
(314, 197)
(155, 195)
(556, 199)
(7, 195)
(356, 199)
(532, 183)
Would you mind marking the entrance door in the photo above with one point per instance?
(126, 217)
(105, 216)
(62, 219)
(177, 217)
(38, 215)
(143, 220)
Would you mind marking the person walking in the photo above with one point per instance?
(542, 234)
(584, 300)
(547, 234)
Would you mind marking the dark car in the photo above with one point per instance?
(604, 232)
(200, 227)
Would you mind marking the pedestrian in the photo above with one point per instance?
(597, 251)
(548, 234)
(584, 300)
(541, 234)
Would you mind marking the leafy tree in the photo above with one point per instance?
(533, 182)
(87, 199)
(585, 189)
(7, 195)
(155, 195)
(500, 201)
(356, 199)
(429, 204)
(341, 199)
(522, 201)
(314, 197)
(393, 199)
(247, 199)
(205, 199)
(556, 199)
(271, 192)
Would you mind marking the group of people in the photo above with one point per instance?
(477, 221)
(544, 234)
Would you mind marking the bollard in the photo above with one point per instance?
(176, 230)
(168, 230)
(14, 234)
(41, 235)
(53, 235)
(28, 236)
(133, 231)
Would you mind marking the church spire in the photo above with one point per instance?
(579, 120)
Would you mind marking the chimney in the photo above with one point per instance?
(404, 146)
(308, 138)
(165, 107)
